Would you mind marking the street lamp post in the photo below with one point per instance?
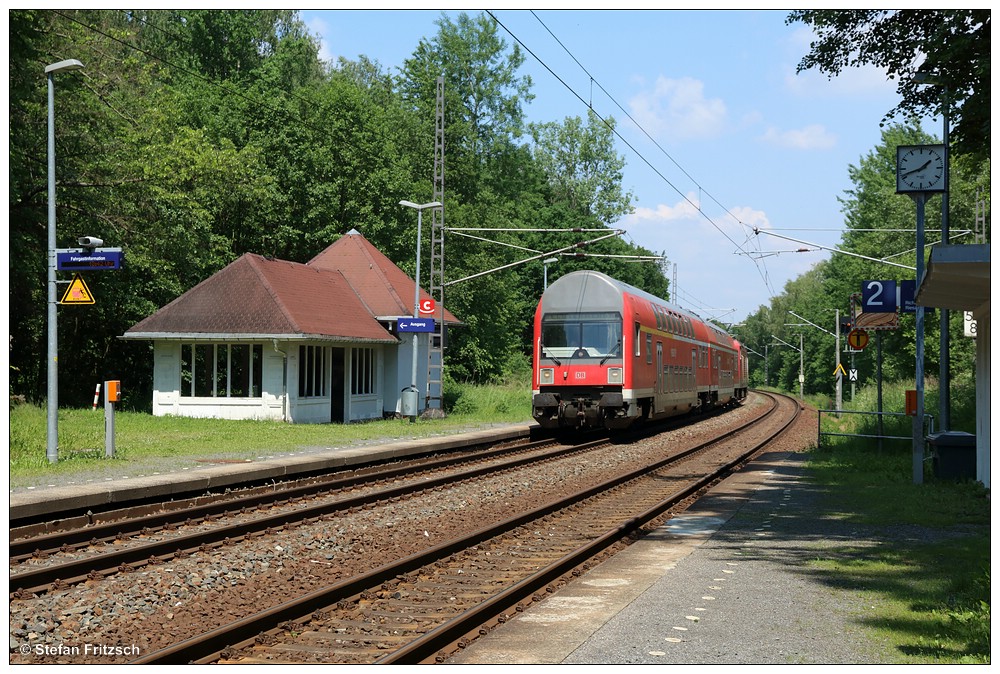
(416, 293)
(545, 271)
(52, 391)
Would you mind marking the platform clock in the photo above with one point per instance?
(920, 168)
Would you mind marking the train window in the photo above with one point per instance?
(582, 335)
(649, 347)
(638, 339)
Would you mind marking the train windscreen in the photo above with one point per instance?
(581, 335)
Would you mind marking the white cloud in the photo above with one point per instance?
(683, 210)
(751, 216)
(318, 27)
(812, 137)
(678, 109)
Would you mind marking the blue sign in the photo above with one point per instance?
(96, 260)
(907, 293)
(415, 324)
(878, 296)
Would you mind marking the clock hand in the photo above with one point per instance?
(918, 169)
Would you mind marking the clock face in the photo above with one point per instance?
(920, 168)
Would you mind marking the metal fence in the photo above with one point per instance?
(880, 436)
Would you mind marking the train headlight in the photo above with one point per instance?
(614, 375)
(546, 375)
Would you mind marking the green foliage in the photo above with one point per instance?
(951, 46)
(192, 137)
(584, 170)
(510, 400)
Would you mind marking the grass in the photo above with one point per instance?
(929, 584)
(142, 440)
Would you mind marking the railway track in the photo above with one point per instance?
(76, 548)
(428, 599)
(419, 609)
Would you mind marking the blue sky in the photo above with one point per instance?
(719, 133)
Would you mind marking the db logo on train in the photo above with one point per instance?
(427, 306)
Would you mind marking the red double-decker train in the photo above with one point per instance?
(609, 355)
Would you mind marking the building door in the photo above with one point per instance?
(337, 388)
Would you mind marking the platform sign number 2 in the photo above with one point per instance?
(878, 296)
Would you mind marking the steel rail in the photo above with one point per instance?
(75, 571)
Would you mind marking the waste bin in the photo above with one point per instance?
(954, 455)
(409, 402)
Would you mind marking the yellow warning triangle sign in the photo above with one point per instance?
(77, 293)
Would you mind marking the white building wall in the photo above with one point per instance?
(304, 410)
(365, 406)
(983, 382)
(279, 398)
(167, 398)
(166, 378)
(400, 371)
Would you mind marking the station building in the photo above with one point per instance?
(302, 343)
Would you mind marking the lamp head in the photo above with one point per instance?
(63, 66)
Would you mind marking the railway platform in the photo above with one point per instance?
(728, 582)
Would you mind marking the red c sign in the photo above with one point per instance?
(427, 306)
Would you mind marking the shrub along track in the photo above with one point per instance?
(356, 594)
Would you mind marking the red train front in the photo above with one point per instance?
(607, 355)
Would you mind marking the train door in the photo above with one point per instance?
(693, 379)
(658, 394)
(713, 388)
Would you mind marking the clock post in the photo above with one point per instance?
(920, 171)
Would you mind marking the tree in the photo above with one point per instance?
(582, 166)
(951, 46)
(484, 97)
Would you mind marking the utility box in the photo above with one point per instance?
(954, 455)
(911, 403)
(113, 391)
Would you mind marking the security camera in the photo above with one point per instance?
(90, 241)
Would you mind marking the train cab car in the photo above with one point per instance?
(607, 355)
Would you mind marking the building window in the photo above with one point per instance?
(362, 372)
(312, 371)
(221, 370)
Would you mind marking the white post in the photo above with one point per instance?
(52, 388)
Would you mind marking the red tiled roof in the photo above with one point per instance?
(383, 286)
(260, 296)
